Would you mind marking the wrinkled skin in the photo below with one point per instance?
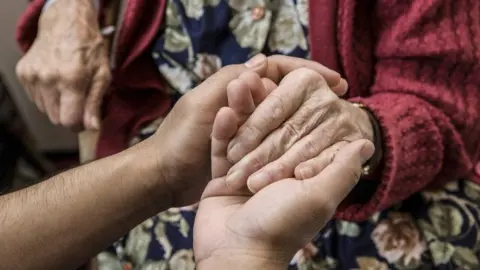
(267, 228)
(293, 127)
(66, 71)
(185, 163)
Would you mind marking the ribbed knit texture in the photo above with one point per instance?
(415, 64)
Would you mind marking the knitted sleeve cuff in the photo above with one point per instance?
(412, 154)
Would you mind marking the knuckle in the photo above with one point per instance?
(22, 73)
(277, 107)
(255, 162)
(331, 156)
(19, 69)
(73, 73)
(250, 133)
(331, 111)
(282, 169)
(310, 149)
(290, 133)
(47, 78)
(342, 120)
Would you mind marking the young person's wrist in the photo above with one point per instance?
(144, 161)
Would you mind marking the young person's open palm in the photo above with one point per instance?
(269, 227)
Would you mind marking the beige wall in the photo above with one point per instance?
(47, 137)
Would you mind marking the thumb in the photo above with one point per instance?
(330, 187)
(307, 205)
(100, 82)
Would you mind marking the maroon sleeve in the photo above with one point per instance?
(425, 96)
(27, 25)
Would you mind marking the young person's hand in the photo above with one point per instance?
(181, 145)
(238, 230)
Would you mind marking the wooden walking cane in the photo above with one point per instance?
(87, 140)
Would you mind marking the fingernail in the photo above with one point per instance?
(234, 177)
(255, 61)
(367, 151)
(95, 123)
(306, 172)
(258, 181)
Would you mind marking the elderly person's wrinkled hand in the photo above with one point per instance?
(185, 161)
(66, 71)
(295, 132)
(266, 229)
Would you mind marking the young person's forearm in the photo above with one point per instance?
(63, 221)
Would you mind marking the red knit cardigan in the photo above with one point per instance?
(414, 64)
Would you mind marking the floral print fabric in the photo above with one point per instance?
(201, 36)
(431, 230)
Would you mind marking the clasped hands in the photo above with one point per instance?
(283, 158)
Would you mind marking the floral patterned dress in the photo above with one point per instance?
(431, 230)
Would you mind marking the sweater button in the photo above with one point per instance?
(258, 13)
(477, 169)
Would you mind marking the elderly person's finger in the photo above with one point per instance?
(23, 78)
(314, 166)
(280, 105)
(36, 95)
(295, 210)
(71, 108)
(304, 148)
(280, 66)
(51, 98)
(273, 68)
(99, 85)
(283, 167)
(336, 122)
